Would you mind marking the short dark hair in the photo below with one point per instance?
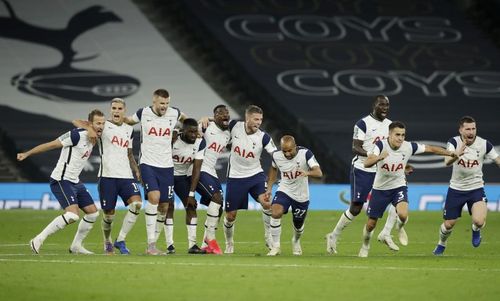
(397, 124)
(376, 99)
(466, 119)
(94, 113)
(218, 107)
(162, 93)
(189, 122)
(253, 109)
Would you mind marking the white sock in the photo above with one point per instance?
(106, 224)
(391, 220)
(345, 219)
(57, 224)
(168, 224)
(443, 235)
(84, 228)
(298, 232)
(212, 220)
(150, 212)
(400, 224)
(266, 218)
(366, 238)
(228, 231)
(129, 221)
(275, 224)
(191, 232)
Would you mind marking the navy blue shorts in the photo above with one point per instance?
(237, 190)
(456, 199)
(382, 198)
(208, 185)
(181, 187)
(110, 188)
(361, 185)
(299, 209)
(69, 193)
(159, 179)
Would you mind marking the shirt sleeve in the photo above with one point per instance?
(268, 143)
(451, 145)
(491, 153)
(376, 149)
(311, 160)
(137, 116)
(70, 138)
(131, 139)
(359, 130)
(417, 148)
(200, 154)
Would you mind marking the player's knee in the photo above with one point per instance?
(479, 222)
(135, 207)
(217, 198)
(298, 223)
(92, 217)
(108, 218)
(448, 224)
(70, 217)
(355, 209)
(230, 217)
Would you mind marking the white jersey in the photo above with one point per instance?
(216, 140)
(113, 146)
(74, 154)
(246, 149)
(467, 171)
(293, 185)
(369, 130)
(184, 154)
(391, 170)
(156, 136)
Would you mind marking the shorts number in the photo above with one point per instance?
(298, 213)
(401, 196)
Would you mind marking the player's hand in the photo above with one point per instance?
(384, 154)
(204, 122)
(460, 151)
(191, 202)
(138, 176)
(408, 169)
(267, 195)
(22, 156)
(92, 136)
(302, 173)
(266, 204)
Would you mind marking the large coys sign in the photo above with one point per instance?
(323, 61)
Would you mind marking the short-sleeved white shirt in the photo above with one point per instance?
(184, 154)
(114, 144)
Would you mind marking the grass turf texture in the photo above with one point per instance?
(413, 273)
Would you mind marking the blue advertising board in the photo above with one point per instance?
(323, 197)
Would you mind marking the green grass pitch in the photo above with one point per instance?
(413, 273)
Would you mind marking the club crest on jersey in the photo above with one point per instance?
(120, 142)
(216, 147)
(159, 132)
(468, 163)
(392, 167)
(244, 153)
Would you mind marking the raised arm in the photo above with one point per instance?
(437, 150)
(84, 124)
(373, 159)
(314, 172)
(40, 149)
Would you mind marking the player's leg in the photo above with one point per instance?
(376, 207)
(258, 192)
(166, 182)
(451, 212)
(152, 193)
(236, 198)
(361, 184)
(108, 193)
(400, 203)
(129, 191)
(279, 206)
(68, 201)
(210, 190)
(87, 222)
(299, 211)
(478, 210)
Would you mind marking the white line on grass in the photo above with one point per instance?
(255, 265)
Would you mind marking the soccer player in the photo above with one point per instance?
(367, 131)
(155, 161)
(466, 184)
(115, 175)
(390, 187)
(217, 137)
(187, 153)
(245, 172)
(295, 164)
(66, 186)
